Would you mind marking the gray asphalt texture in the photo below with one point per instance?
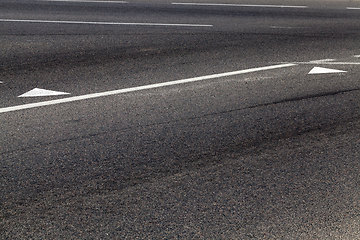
(265, 155)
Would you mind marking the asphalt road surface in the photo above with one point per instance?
(179, 120)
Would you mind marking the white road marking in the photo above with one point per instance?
(353, 8)
(287, 27)
(341, 63)
(357, 56)
(238, 5)
(281, 27)
(83, 1)
(320, 70)
(38, 92)
(330, 63)
(105, 23)
(322, 60)
(140, 88)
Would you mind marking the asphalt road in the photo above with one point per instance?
(149, 142)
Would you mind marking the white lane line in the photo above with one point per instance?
(281, 27)
(341, 63)
(83, 1)
(330, 63)
(106, 23)
(353, 8)
(140, 88)
(322, 60)
(238, 5)
(287, 27)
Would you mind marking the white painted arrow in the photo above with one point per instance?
(321, 70)
(38, 92)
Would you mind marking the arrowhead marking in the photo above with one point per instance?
(321, 70)
(38, 92)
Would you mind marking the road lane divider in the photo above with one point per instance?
(140, 88)
(105, 23)
(238, 5)
(329, 63)
(84, 1)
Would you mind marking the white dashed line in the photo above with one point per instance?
(140, 88)
(84, 1)
(106, 23)
(281, 27)
(238, 5)
(322, 60)
(353, 8)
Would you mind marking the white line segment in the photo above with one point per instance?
(83, 1)
(330, 63)
(353, 8)
(322, 60)
(238, 5)
(105, 23)
(140, 88)
(281, 27)
(287, 27)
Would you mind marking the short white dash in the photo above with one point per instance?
(83, 1)
(353, 8)
(274, 6)
(322, 60)
(280, 27)
(106, 23)
(140, 88)
(286, 27)
(357, 56)
(239, 5)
